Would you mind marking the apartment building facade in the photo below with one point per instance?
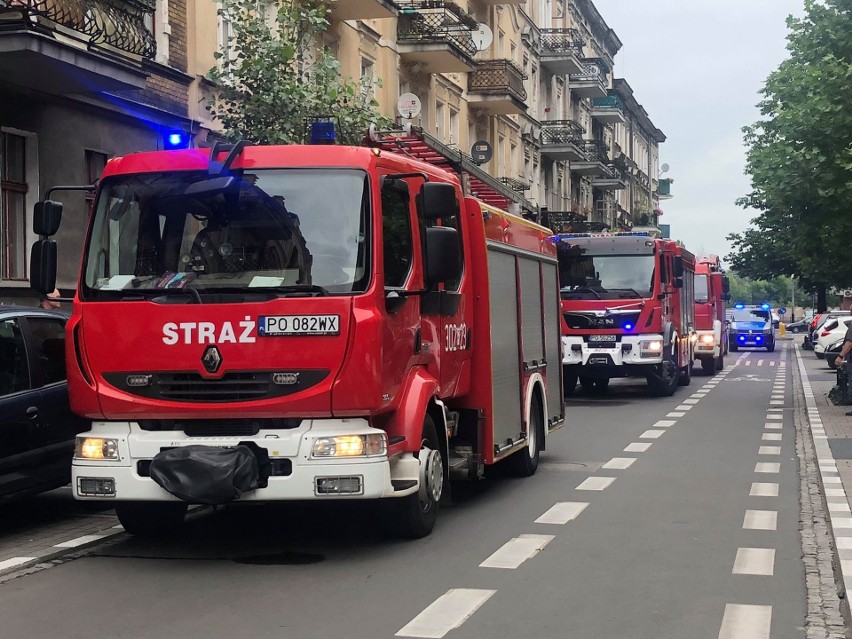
(531, 81)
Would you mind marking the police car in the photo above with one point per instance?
(751, 326)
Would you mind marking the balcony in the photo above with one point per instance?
(594, 161)
(75, 46)
(435, 37)
(613, 179)
(664, 189)
(497, 87)
(561, 51)
(590, 82)
(519, 186)
(362, 9)
(608, 110)
(562, 140)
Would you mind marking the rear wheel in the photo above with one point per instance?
(708, 365)
(414, 516)
(601, 384)
(151, 518)
(524, 463)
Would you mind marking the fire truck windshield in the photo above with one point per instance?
(606, 276)
(702, 294)
(282, 232)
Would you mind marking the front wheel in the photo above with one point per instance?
(664, 383)
(720, 362)
(708, 365)
(770, 347)
(524, 463)
(414, 516)
(151, 518)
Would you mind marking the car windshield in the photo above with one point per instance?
(750, 315)
(605, 276)
(702, 295)
(268, 230)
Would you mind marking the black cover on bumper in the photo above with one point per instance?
(207, 475)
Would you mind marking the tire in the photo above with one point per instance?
(151, 518)
(414, 516)
(830, 361)
(665, 385)
(720, 362)
(708, 366)
(588, 383)
(569, 383)
(685, 376)
(524, 463)
(819, 355)
(601, 384)
(771, 347)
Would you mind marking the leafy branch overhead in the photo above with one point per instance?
(273, 73)
(800, 157)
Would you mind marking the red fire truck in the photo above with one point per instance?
(627, 310)
(302, 323)
(711, 293)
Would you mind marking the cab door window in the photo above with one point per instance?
(49, 346)
(14, 368)
(396, 230)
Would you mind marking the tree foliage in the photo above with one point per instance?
(800, 157)
(776, 291)
(274, 75)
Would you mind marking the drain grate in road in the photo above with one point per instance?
(841, 447)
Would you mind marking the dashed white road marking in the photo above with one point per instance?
(652, 433)
(15, 561)
(776, 403)
(841, 522)
(676, 414)
(692, 402)
(769, 450)
(835, 492)
(79, 541)
(771, 437)
(772, 426)
(619, 463)
(767, 467)
(664, 423)
(595, 483)
(637, 447)
(760, 520)
(447, 612)
(745, 621)
(516, 551)
(754, 561)
(683, 407)
(844, 543)
(563, 512)
(776, 417)
(763, 489)
(760, 362)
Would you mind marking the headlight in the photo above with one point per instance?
(708, 339)
(95, 448)
(650, 348)
(767, 331)
(350, 446)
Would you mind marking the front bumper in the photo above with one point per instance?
(623, 358)
(707, 349)
(289, 451)
(756, 339)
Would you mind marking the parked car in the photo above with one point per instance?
(819, 322)
(831, 353)
(829, 333)
(798, 327)
(37, 427)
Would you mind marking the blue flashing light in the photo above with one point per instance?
(627, 327)
(322, 133)
(176, 140)
(765, 307)
(739, 305)
(742, 339)
(757, 339)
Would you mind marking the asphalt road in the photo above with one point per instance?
(648, 518)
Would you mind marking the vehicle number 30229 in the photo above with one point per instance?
(455, 337)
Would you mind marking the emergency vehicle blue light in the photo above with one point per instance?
(757, 339)
(739, 305)
(742, 339)
(765, 307)
(322, 133)
(176, 140)
(627, 327)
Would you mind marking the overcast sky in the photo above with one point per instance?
(697, 66)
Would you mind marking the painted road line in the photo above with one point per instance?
(79, 541)
(664, 423)
(760, 520)
(767, 467)
(595, 483)
(15, 561)
(844, 543)
(683, 407)
(771, 437)
(769, 450)
(619, 463)
(652, 434)
(745, 621)
(516, 551)
(835, 492)
(763, 489)
(754, 561)
(563, 512)
(676, 414)
(776, 403)
(446, 613)
(832, 480)
(760, 362)
(841, 522)
(772, 426)
(775, 417)
(693, 402)
(637, 447)
(700, 395)
(774, 410)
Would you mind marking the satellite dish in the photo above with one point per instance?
(482, 37)
(408, 106)
(664, 168)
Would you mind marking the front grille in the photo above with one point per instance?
(218, 427)
(578, 320)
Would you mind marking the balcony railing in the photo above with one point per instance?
(609, 102)
(596, 151)
(435, 21)
(498, 77)
(562, 41)
(559, 132)
(515, 184)
(594, 70)
(120, 24)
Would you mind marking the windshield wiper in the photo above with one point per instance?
(296, 289)
(580, 290)
(165, 293)
(630, 291)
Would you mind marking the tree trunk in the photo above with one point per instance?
(822, 305)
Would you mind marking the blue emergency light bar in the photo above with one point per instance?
(739, 305)
(323, 132)
(765, 307)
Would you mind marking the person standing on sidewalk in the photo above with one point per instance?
(844, 352)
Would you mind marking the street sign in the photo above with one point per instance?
(481, 151)
(782, 311)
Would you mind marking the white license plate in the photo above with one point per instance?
(601, 338)
(272, 325)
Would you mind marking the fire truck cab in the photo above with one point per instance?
(711, 326)
(627, 307)
(302, 323)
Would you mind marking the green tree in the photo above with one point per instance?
(274, 75)
(800, 158)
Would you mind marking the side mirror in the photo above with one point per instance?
(678, 282)
(443, 255)
(437, 200)
(43, 266)
(726, 297)
(678, 268)
(46, 218)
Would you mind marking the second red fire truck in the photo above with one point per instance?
(711, 293)
(627, 310)
(302, 323)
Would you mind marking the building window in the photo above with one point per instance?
(440, 127)
(225, 41)
(454, 126)
(368, 82)
(13, 205)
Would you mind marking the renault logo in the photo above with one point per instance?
(211, 359)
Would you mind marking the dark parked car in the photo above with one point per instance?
(37, 427)
(798, 327)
